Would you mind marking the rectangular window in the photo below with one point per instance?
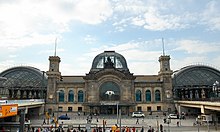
(148, 108)
(60, 109)
(158, 108)
(139, 108)
(80, 109)
(70, 109)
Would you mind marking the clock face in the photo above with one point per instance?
(165, 63)
(52, 65)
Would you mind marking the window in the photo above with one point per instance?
(70, 109)
(61, 96)
(80, 109)
(148, 96)
(149, 109)
(139, 108)
(157, 95)
(138, 95)
(80, 96)
(60, 109)
(158, 108)
(71, 96)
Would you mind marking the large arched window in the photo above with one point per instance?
(71, 96)
(109, 91)
(61, 96)
(148, 96)
(138, 95)
(157, 95)
(80, 96)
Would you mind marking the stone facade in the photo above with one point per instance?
(110, 86)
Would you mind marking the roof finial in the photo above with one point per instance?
(55, 52)
(163, 47)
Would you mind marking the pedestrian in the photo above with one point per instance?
(79, 128)
(161, 128)
(44, 122)
(142, 129)
(177, 123)
(97, 119)
(137, 121)
(133, 129)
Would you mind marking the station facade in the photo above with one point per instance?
(108, 86)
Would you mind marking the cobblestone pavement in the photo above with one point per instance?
(149, 121)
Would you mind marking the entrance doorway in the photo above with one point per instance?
(108, 110)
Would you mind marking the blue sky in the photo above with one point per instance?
(85, 28)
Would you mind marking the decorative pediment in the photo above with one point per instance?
(96, 75)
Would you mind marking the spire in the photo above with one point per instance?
(163, 47)
(55, 52)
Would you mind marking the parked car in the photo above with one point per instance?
(172, 116)
(63, 117)
(138, 114)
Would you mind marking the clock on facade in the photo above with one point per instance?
(165, 63)
(52, 65)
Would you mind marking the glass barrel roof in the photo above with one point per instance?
(196, 75)
(24, 78)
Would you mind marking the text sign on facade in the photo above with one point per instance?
(109, 102)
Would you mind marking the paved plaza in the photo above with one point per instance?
(186, 125)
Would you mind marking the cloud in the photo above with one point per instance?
(211, 15)
(152, 15)
(92, 12)
(25, 23)
(197, 47)
(89, 39)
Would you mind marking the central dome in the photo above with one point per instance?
(109, 59)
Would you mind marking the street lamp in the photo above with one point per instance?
(215, 89)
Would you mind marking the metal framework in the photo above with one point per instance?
(196, 82)
(23, 83)
(117, 59)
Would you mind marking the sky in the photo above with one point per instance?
(83, 29)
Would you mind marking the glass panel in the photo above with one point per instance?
(148, 96)
(61, 96)
(138, 95)
(157, 95)
(71, 96)
(80, 96)
(109, 91)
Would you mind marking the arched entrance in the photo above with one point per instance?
(109, 93)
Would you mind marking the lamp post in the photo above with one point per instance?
(215, 88)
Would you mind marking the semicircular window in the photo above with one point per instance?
(109, 91)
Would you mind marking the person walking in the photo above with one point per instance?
(161, 128)
(44, 122)
(137, 121)
(142, 129)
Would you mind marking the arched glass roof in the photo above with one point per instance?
(196, 75)
(24, 78)
(117, 60)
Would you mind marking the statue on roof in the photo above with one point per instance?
(109, 63)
